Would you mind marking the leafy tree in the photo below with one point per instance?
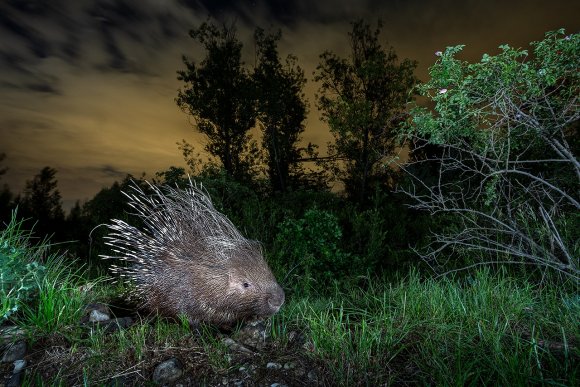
(506, 130)
(363, 100)
(281, 109)
(218, 93)
(42, 202)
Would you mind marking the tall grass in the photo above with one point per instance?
(39, 288)
(488, 328)
(20, 267)
(60, 301)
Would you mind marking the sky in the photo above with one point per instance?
(88, 87)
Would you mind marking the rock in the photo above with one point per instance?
(273, 366)
(290, 365)
(98, 316)
(313, 376)
(14, 352)
(252, 334)
(232, 345)
(15, 379)
(96, 313)
(168, 371)
(19, 366)
(278, 385)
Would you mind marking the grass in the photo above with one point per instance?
(488, 328)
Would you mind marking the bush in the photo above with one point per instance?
(503, 137)
(21, 267)
(308, 249)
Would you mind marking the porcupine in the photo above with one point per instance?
(190, 260)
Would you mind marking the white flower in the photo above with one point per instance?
(567, 37)
(442, 91)
(438, 53)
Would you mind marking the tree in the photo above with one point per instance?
(6, 197)
(363, 99)
(3, 170)
(42, 202)
(507, 133)
(281, 110)
(218, 93)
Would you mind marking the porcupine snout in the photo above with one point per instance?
(276, 299)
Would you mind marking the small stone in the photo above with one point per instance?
(94, 313)
(278, 385)
(98, 316)
(19, 366)
(273, 366)
(15, 352)
(290, 366)
(252, 334)
(299, 372)
(232, 345)
(168, 371)
(313, 376)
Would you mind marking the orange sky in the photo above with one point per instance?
(88, 87)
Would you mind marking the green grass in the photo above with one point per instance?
(487, 329)
(60, 300)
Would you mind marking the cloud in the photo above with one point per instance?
(111, 171)
(88, 86)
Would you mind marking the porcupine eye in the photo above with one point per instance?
(246, 285)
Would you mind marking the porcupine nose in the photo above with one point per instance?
(276, 299)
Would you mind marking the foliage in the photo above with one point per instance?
(20, 267)
(218, 94)
(281, 109)
(309, 248)
(363, 99)
(505, 138)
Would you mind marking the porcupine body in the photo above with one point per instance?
(189, 259)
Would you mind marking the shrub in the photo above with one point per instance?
(21, 267)
(309, 250)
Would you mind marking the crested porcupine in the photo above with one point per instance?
(190, 260)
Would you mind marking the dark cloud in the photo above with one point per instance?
(43, 88)
(111, 171)
(13, 24)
